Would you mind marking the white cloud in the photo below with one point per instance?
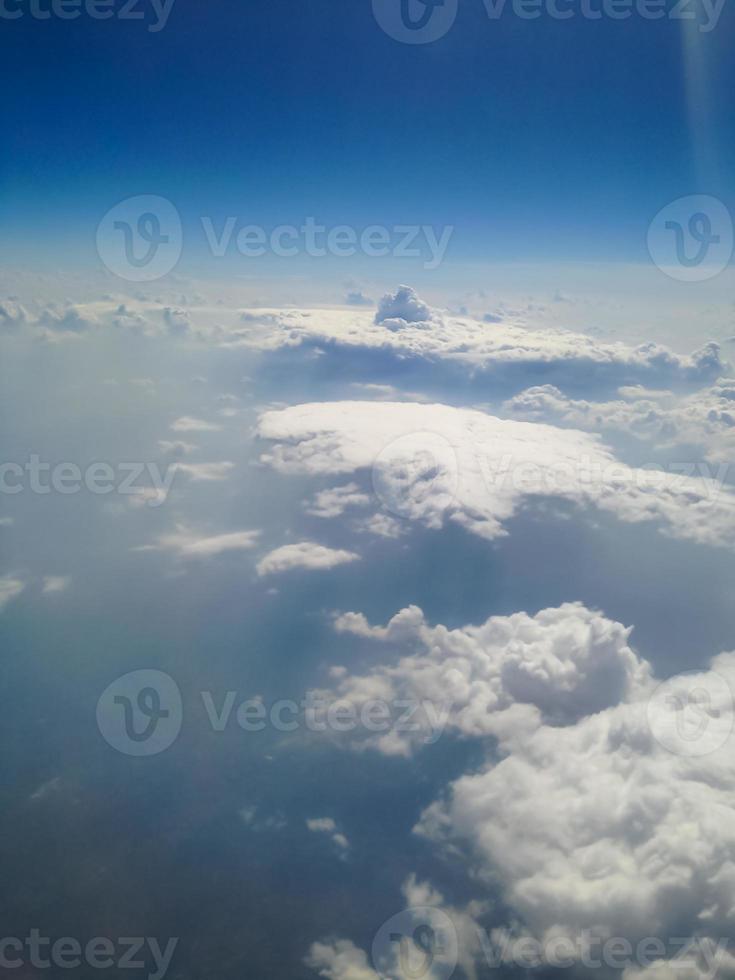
(395, 310)
(188, 544)
(326, 825)
(335, 500)
(595, 827)
(340, 960)
(205, 472)
(705, 418)
(305, 555)
(188, 424)
(434, 463)
(53, 584)
(10, 588)
(498, 678)
(381, 525)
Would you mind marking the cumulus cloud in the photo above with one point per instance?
(705, 418)
(186, 543)
(395, 310)
(304, 555)
(604, 806)
(513, 345)
(601, 827)
(494, 679)
(436, 463)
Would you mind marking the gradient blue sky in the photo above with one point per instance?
(538, 140)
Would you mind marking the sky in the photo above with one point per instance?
(537, 140)
(367, 508)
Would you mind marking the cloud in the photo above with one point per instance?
(10, 588)
(382, 525)
(509, 673)
(69, 320)
(53, 584)
(188, 424)
(436, 463)
(326, 825)
(601, 827)
(340, 960)
(177, 321)
(188, 544)
(176, 447)
(12, 314)
(356, 298)
(705, 418)
(305, 555)
(335, 500)
(395, 310)
(205, 472)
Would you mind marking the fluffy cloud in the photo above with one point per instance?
(600, 828)
(433, 463)
(335, 500)
(511, 671)
(604, 807)
(340, 960)
(518, 348)
(305, 555)
(705, 418)
(398, 309)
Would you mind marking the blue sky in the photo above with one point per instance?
(497, 489)
(537, 140)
